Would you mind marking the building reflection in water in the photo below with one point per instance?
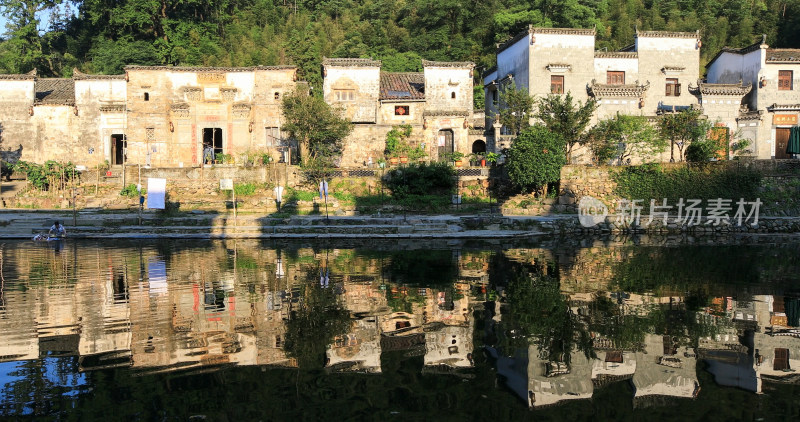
(201, 308)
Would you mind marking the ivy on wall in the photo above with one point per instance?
(652, 181)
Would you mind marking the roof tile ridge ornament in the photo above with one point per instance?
(617, 90)
(737, 89)
(432, 63)
(350, 62)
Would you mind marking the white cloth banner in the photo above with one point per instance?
(156, 190)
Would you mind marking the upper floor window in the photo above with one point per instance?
(673, 88)
(402, 110)
(615, 77)
(453, 95)
(147, 96)
(785, 80)
(277, 95)
(273, 136)
(344, 94)
(556, 84)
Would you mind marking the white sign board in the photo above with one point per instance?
(225, 184)
(156, 192)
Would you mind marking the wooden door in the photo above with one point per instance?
(781, 142)
(445, 143)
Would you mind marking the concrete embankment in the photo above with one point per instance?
(22, 224)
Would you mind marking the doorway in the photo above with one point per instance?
(212, 136)
(781, 142)
(117, 149)
(478, 147)
(445, 144)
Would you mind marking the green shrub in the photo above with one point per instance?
(51, 174)
(131, 192)
(651, 181)
(245, 189)
(421, 179)
(535, 159)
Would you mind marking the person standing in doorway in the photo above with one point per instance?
(208, 155)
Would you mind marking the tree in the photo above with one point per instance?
(25, 48)
(515, 108)
(535, 159)
(568, 119)
(682, 129)
(317, 127)
(633, 136)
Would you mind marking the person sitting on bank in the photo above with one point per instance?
(57, 230)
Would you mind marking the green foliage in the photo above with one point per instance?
(701, 151)
(568, 119)
(683, 129)
(48, 176)
(222, 158)
(535, 159)
(492, 157)
(632, 136)
(651, 181)
(515, 108)
(399, 145)
(245, 189)
(293, 194)
(421, 179)
(314, 323)
(317, 127)
(131, 191)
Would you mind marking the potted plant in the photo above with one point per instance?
(456, 156)
(393, 160)
(492, 157)
(403, 159)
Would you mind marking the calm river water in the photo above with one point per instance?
(551, 330)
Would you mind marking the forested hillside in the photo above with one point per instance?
(102, 36)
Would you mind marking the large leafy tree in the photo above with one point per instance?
(318, 128)
(514, 108)
(566, 117)
(682, 129)
(535, 159)
(26, 48)
(633, 136)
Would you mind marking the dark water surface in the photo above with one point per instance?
(552, 330)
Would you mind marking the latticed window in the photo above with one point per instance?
(615, 77)
(401, 110)
(785, 80)
(556, 84)
(344, 95)
(150, 134)
(673, 88)
(273, 136)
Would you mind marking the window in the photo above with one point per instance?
(277, 95)
(556, 84)
(785, 80)
(147, 96)
(150, 134)
(673, 88)
(401, 110)
(273, 136)
(344, 94)
(615, 78)
(453, 95)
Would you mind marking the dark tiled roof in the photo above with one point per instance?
(563, 31)
(55, 91)
(19, 77)
(741, 51)
(402, 86)
(783, 55)
(209, 69)
(616, 54)
(667, 34)
(350, 62)
(79, 76)
(429, 63)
